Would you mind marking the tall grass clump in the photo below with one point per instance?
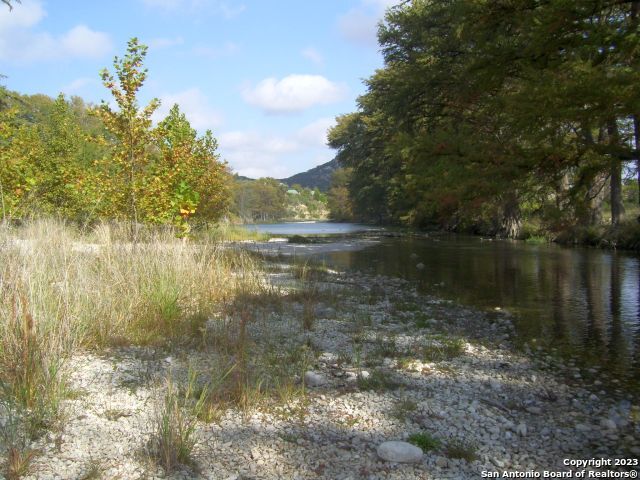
(173, 437)
(63, 289)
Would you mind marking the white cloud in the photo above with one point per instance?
(315, 134)
(257, 154)
(293, 93)
(24, 15)
(20, 43)
(313, 55)
(81, 41)
(254, 154)
(360, 24)
(164, 42)
(194, 104)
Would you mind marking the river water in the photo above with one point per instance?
(310, 228)
(582, 303)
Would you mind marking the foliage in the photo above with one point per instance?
(268, 200)
(488, 112)
(131, 128)
(186, 179)
(425, 441)
(339, 202)
(63, 157)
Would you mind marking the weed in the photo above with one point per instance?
(361, 320)
(308, 315)
(425, 441)
(30, 363)
(403, 409)
(441, 350)
(56, 281)
(384, 347)
(462, 450)
(18, 463)
(378, 380)
(405, 306)
(422, 320)
(376, 292)
(93, 471)
(173, 438)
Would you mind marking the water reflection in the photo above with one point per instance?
(579, 301)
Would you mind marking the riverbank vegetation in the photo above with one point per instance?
(62, 289)
(516, 119)
(86, 163)
(168, 356)
(267, 200)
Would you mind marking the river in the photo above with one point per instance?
(581, 303)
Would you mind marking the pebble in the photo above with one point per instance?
(442, 462)
(483, 397)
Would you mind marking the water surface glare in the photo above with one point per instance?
(310, 228)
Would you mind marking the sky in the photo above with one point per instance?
(268, 77)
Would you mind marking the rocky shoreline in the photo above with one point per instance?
(381, 363)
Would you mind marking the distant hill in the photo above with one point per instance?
(319, 176)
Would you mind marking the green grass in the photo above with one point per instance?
(378, 380)
(425, 441)
(226, 232)
(442, 349)
(403, 409)
(537, 240)
(461, 450)
(173, 436)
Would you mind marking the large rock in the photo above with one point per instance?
(402, 452)
(313, 379)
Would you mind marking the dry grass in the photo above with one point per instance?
(173, 437)
(226, 232)
(61, 290)
(18, 463)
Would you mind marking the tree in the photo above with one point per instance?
(9, 3)
(131, 127)
(186, 178)
(340, 207)
(485, 111)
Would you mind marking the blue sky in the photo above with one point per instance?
(268, 77)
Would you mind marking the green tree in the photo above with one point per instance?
(186, 179)
(487, 111)
(338, 199)
(130, 125)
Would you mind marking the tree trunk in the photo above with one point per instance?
(635, 12)
(617, 208)
(511, 217)
(594, 198)
(636, 138)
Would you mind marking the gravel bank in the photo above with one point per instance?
(386, 364)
